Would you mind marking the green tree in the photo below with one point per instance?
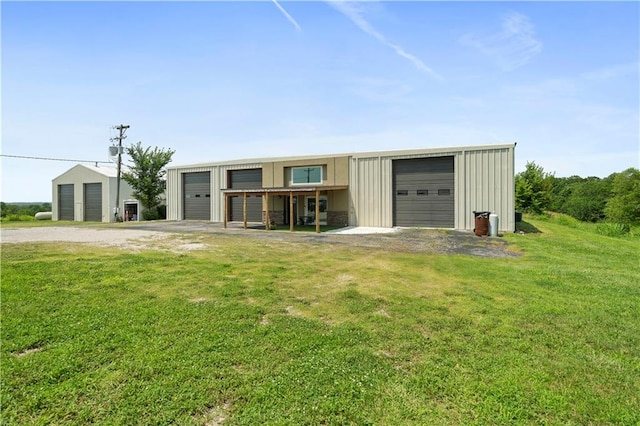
(533, 189)
(624, 205)
(146, 176)
(561, 190)
(7, 209)
(588, 199)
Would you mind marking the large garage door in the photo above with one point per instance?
(197, 195)
(423, 192)
(93, 202)
(246, 179)
(65, 202)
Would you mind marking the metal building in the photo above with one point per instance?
(433, 187)
(439, 188)
(87, 194)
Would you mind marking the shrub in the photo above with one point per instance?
(611, 229)
(155, 213)
(18, 218)
(162, 211)
(150, 214)
(565, 220)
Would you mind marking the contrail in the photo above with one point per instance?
(286, 15)
(355, 15)
(513, 47)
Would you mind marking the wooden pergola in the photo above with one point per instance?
(266, 192)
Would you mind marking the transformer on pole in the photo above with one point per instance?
(113, 150)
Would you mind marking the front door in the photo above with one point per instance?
(310, 210)
(131, 211)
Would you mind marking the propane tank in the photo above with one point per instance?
(493, 225)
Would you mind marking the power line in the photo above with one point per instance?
(26, 157)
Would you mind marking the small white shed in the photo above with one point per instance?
(88, 194)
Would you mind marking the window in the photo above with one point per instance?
(303, 175)
(423, 192)
(444, 192)
(402, 192)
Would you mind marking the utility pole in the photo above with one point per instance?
(121, 128)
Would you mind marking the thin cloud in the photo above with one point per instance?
(613, 72)
(286, 15)
(355, 13)
(514, 46)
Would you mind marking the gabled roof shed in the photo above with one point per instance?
(88, 194)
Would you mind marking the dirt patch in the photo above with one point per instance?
(215, 416)
(425, 241)
(188, 236)
(126, 239)
(27, 352)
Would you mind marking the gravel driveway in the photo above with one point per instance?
(179, 237)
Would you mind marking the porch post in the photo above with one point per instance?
(226, 211)
(267, 224)
(317, 211)
(244, 209)
(291, 218)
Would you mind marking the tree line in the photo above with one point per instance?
(22, 209)
(614, 199)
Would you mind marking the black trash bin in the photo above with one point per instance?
(482, 223)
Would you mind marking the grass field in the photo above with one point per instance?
(256, 332)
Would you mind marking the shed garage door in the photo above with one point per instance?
(65, 202)
(93, 202)
(196, 191)
(246, 179)
(423, 192)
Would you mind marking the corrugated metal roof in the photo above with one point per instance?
(350, 154)
(106, 171)
(443, 150)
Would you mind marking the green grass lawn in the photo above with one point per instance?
(256, 332)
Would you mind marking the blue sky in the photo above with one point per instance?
(230, 80)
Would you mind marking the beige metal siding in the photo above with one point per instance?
(483, 179)
(371, 187)
(175, 189)
(218, 183)
(370, 192)
(174, 194)
(278, 172)
(486, 180)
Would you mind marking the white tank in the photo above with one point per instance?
(43, 216)
(493, 225)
